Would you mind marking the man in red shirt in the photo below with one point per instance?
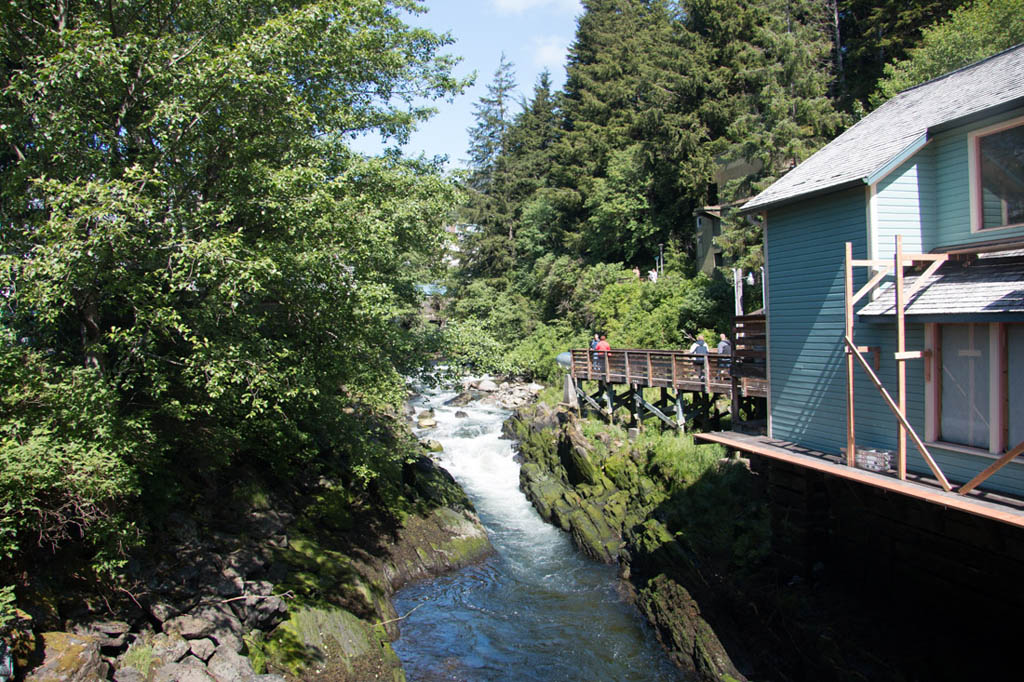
(602, 349)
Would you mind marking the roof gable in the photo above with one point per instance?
(899, 124)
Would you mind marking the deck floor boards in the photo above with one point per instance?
(1003, 508)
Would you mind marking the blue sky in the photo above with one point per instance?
(533, 34)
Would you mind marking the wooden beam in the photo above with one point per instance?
(895, 409)
(923, 277)
(991, 469)
(901, 365)
(872, 283)
(656, 412)
(851, 447)
(766, 448)
(876, 354)
(913, 355)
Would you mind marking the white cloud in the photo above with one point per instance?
(520, 6)
(549, 51)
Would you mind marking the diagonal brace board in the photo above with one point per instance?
(852, 348)
(656, 412)
(991, 469)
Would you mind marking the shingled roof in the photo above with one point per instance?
(898, 125)
(991, 285)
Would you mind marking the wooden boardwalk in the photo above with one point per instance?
(741, 376)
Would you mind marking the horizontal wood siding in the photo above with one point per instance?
(805, 250)
(905, 205)
(952, 197)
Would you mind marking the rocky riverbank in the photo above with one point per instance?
(266, 586)
(693, 535)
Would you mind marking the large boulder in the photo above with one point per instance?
(227, 664)
(487, 386)
(70, 658)
(575, 454)
(330, 643)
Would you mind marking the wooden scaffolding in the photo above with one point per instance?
(856, 355)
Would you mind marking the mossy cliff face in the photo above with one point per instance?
(618, 500)
(705, 547)
(343, 622)
(294, 579)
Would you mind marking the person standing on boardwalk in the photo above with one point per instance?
(699, 348)
(725, 350)
(724, 347)
(602, 349)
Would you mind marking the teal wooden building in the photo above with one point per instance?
(937, 173)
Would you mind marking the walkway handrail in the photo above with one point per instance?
(654, 367)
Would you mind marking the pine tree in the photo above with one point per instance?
(622, 158)
(769, 66)
(970, 34)
(530, 146)
(876, 32)
(488, 206)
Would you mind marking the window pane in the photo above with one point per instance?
(1015, 367)
(965, 384)
(1002, 177)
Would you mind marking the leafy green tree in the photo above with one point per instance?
(191, 254)
(971, 33)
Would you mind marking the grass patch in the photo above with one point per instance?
(139, 656)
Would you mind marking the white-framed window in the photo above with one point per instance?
(974, 398)
(996, 162)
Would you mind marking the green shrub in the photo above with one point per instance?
(535, 355)
(68, 461)
(469, 345)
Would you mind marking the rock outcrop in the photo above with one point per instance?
(283, 595)
(606, 494)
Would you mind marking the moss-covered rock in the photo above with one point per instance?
(70, 658)
(330, 643)
(575, 456)
(441, 541)
(689, 639)
(615, 499)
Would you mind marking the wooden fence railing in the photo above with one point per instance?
(707, 373)
(750, 355)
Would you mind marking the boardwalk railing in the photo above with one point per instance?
(750, 354)
(706, 373)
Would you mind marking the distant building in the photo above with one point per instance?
(709, 218)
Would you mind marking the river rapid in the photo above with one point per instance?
(537, 609)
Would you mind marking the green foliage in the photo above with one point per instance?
(8, 609)
(677, 460)
(668, 313)
(68, 463)
(534, 356)
(196, 268)
(468, 344)
(873, 33)
(139, 656)
(971, 33)
(711, 504)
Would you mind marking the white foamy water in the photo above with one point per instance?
(537, 610)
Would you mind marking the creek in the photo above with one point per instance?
(535, 610)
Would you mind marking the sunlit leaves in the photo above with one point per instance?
(179, 213)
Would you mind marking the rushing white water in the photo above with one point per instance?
(537, 610)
